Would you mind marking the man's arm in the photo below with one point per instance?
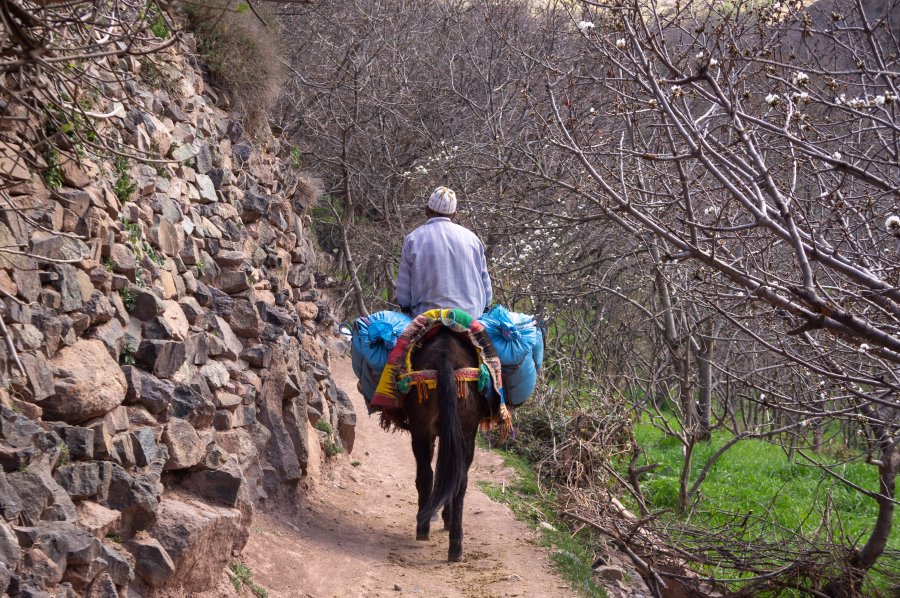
(486, 280)
(404, 278)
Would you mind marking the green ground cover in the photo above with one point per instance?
(757, 476)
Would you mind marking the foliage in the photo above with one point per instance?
(128, 351)
(63, 453)
(241, 576)
(242, 54)
(332, 448)
(53, 172)
(124, 186)
(323, 426)
(128, 299)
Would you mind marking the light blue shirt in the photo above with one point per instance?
(443, 266)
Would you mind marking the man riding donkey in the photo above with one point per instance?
(444, 373)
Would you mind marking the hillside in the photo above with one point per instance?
(163, 364)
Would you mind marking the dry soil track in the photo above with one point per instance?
(356, 536)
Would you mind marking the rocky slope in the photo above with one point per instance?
(161, 366)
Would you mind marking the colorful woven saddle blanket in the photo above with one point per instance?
(398, 376)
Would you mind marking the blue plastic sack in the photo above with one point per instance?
(520, 347)
(373, 338)
(514, 335)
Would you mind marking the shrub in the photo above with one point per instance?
(242, 55)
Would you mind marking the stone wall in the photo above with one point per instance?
(162, 364)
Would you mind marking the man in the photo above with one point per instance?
(443, 263)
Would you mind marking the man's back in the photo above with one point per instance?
(442, 266)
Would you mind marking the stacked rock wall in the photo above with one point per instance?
(162, 364)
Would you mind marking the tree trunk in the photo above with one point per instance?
(848, 585)
(704, 371)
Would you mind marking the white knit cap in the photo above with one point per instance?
(442, 201)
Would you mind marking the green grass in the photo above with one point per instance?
(754, 475)
(572, 553)
(241, 576)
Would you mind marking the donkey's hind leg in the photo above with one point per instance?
(445, 515)
(454, 555)
(423, 450)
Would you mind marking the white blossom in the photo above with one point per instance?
(800, 78)
(879, 100)
(592, 110)
(585, 26)
(892, 225)
(700, 55)
(857, 103)
(864, 348)
(713, 62)
(800, 97)
(840, 99)
(620, 43)
(836, 155)
(772, 99)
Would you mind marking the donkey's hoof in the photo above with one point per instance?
(422, 536)
(454, 558)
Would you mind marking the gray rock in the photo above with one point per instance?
(199, 539)
(99, 309)
(162, 358)
(9, 546)
(277, 316)
(112, 335)
(24, 444)
(147, 390)
(206, 189)
(346, 419)
(280, 448)
(144, 446)
(124, 451)
(221, 485)
(232, 281)
(147, 305)
(192, 311)
(121, 257)
(117, 566)
(186, 448)
(88, 383)
(191, 405)
(79, 441)
(10, 503)
(40, 377)
(244, 319)
(136, 497)
(42, 497)
(89, 480)
(232, 347)
(5, 577)
(255, 205)
(152, 563)
(259, 356)
(295, 421)
(71, 282)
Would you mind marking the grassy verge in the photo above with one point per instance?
(755, 476)
(571, 552)
(776, 498)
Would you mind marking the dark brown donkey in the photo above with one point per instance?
(455, 420)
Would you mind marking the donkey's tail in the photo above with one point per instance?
(451, 461)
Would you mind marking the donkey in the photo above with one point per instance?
(455, 419)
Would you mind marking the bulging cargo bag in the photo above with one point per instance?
(520, 346)
(373, 337)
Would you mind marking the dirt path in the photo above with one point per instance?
(357, 536)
